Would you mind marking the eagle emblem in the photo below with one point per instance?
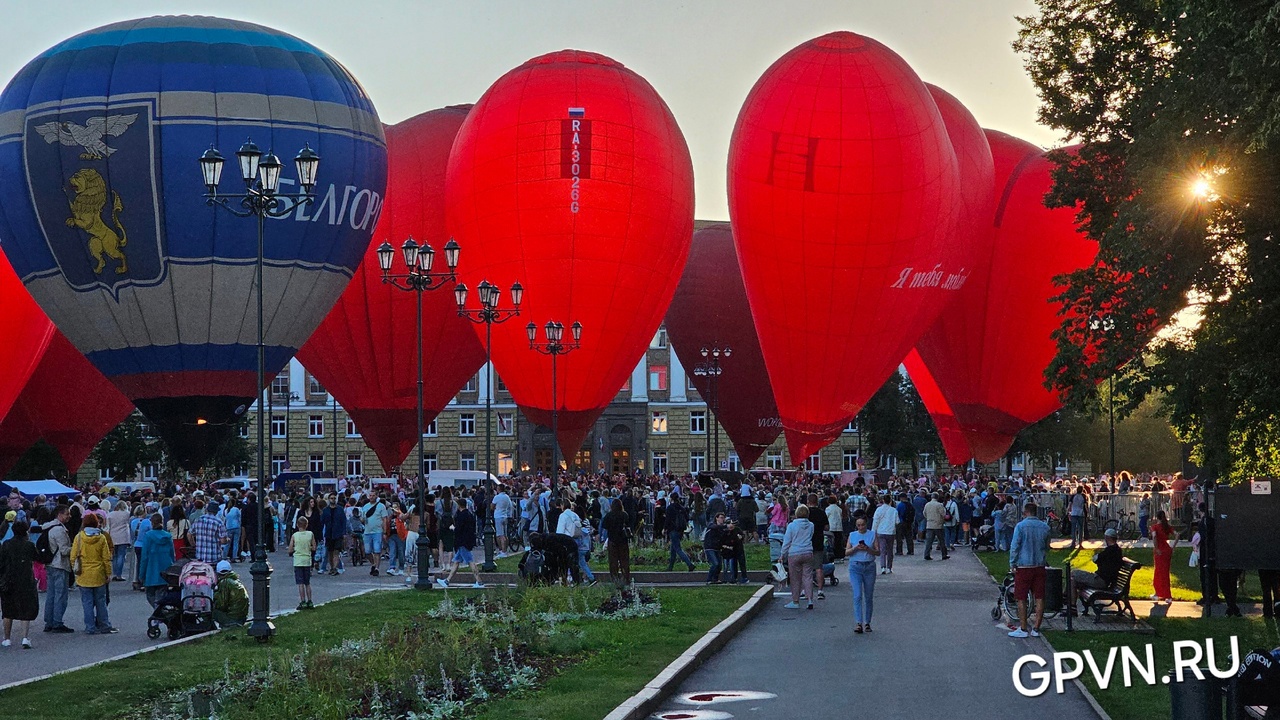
(90, 136)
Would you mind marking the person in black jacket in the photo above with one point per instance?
(676, 520)
(713, 543)
(735, 553)
(1108, 560)
(616, 529)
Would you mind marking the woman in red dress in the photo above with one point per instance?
(1163, 555)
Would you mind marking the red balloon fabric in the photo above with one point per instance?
(710, 309)
(954, 443)
(844, 197)
(993, 379)
(571, 176)
(69, 403)
(364, 352)
(26, 331)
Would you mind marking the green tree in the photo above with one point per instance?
(896, 424)
(232, 456)
(39, 462)
(125, 448)
(1176, 106)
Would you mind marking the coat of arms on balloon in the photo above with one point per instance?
(94, 184)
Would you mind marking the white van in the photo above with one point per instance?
(124, 487)
(458, 478)
(244, 485)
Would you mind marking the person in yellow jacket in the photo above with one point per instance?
(91, 563)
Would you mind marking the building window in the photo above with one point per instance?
(506, 423)
(927, 463)
(315, 426)
(626, 386)
(698, 422)
(850, 461)
(773, 459)
(280, 385)
(657, 377)
(314, 387)
(659, 339)
(505, 463)
(688, 382)
(244, 430)
(277, 426)
(502, 386)
(355, 465)
(351, 428)
(697, 462)
(150, 472)
(659, 463)
(429, 462)
(316, 464)
(467, 461)
(734, 463)
(277, 464)
(104, 474)
(813, 463)
(431, 430)
(472, 384)
(852, 427)
(659, 423)
(466, 424)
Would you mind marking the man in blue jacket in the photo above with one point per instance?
(333, 526)
(1028, 552)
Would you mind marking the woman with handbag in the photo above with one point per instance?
(91, 563)
(18, 597)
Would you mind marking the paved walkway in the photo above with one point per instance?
(129, 612)
(934, 652)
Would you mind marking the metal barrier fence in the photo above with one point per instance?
(1104, 507)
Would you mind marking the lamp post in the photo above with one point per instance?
(710, 369)
(418, 278)
(1106, 324)
(489, 314)
(261, 199)
(289, 397)
(555, 347)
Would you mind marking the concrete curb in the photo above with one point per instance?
(169, 643)
(645, 702)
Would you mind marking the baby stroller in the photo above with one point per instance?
(198, 581)
(828, 563)
(986, 537)
(168, 610)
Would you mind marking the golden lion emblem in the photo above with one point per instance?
(86, 214)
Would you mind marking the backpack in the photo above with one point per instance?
(532, 565)
(44, 553)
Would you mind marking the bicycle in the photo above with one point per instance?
(1007, 603)
(1126, 526)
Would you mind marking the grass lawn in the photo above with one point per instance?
(609, 661)
(652, 558)
(1142, 701)
(1184, 581)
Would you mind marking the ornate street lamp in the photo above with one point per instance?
(261, 199)
(489, 314)
(554, 346)
(710, 369)
(419, 278)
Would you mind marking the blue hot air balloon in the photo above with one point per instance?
(102, 212)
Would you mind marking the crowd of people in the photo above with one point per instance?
(91, 541)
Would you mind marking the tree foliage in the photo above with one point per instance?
(1163, 95)
(41, 461)
(126, 448)
(896, 423)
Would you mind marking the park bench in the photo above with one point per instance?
(1115, 597)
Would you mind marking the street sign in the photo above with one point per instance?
(1260, 487)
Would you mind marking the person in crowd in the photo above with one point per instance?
(862, 547)
(818, 517)
(91, 562)
(157, 556)
(713, 546)
(570, 525)
(677, 518)
(884, 525)
(209, 536)
(797, 554)
(906, 526)
(1144, 516)
(19, 598)
(734, 553)
(464, 540)
(1161, 532)
(230, 599)
(615, 529)
(502, 511)
(375, 516)
(178, 527)
(1076, 509)
(333, 520)
(232, 520)
(302, 548)
(1028, 552)
(121, 541)
(935, 518)
(1108, 561)
(138, 527)
(59, 571)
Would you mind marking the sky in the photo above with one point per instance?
(702, 56)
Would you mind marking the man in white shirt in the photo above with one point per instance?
(884, 523)
(502, 508)
(835, 523)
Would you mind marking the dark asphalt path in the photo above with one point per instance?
(934, 653)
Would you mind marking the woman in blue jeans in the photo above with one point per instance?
(861, 550)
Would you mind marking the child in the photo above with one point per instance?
(302, 546)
